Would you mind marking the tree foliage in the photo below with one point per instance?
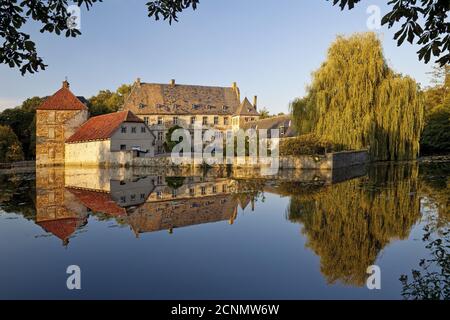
(22, 121)
(357, 102)
(107, 101)
(425, 19)
(10, 147)
(436, 134)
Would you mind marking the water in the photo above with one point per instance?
(224, 235)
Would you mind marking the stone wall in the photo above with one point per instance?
(52, 129)
(83, 156)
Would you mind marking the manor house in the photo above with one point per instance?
(66, 134)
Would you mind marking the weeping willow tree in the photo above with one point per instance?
(356, 101)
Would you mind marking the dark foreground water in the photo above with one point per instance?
(223, 235)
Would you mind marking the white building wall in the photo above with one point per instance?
(133, 138)
(95, 153)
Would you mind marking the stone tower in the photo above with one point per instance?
(57, 118)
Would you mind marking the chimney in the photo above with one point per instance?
(65, 84)
(255, 101)
(138, 82)
(172, 82)
(236, 91)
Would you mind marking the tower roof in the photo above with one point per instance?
(63, 99)
(247, 109)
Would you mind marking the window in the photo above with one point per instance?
(123, 199)
(193, 120)
(224, 188)
(160, 120)
(252, 119)
(174, 193)
(203, 191)
(142, 196)
(216, 120)
(214, 189)
(205, 120)
(160, 135)
(159, 180)
(282, 130)
(192, 192)
(225, 121)
(175, 120)
(146, 120)
(133, 130)
(142, 129)
(159, 195)
(160, 149)
(123, 147)
(133, 197)
(51, 133)
(124, 130)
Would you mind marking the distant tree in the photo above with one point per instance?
(425, 19)
(10, 147)
(264, 113)
(106, 101)
(356, 101)
(436, 134)
(20, 119)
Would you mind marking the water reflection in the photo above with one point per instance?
(347, 217)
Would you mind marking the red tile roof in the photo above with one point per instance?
(102, 127)
(63, 99)
(62, 228)
(98, 202)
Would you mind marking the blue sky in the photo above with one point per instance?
(269, 47)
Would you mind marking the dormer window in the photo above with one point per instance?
(141, 105)
(124, 130)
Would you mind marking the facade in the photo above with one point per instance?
(163, 106)
(109, 138)
(282, 123)
(57, 118)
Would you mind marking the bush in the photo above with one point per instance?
(307, 144)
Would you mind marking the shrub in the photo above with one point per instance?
(306, 144)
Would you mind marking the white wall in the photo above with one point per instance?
(139, 139)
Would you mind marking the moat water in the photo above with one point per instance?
(226, 235)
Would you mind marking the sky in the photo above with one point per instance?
(269, 47)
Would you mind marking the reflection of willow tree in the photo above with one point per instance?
(435, 186)
(432, 279)
(348, 224)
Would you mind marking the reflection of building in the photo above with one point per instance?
(57, 210)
